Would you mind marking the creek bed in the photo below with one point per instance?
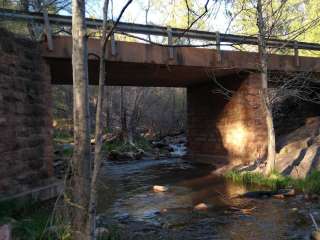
(127, 201)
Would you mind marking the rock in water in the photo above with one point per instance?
(201, 207)
(157, 188)
(102, 232)
(315, 235)
(279, 196)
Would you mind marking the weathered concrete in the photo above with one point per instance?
(137, 64)
(25, 115)
(227, 131)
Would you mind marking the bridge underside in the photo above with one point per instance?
(138, 74)
(220, 131)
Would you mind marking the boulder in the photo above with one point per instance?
(308, 163)
(138, 154)
(290, 155)
(121, 156)
(300, 150)
(310, 129)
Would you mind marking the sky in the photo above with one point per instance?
(160, 13)
(136, 13)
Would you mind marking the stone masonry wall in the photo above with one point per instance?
(25, 118)
(227, 131)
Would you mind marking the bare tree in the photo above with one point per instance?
(123, 115)
(81, 164)
(99, 124)
(262, 33)
(99, 119)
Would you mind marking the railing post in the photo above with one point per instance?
(296, 53)
(170, 42)
(218, 47)
(47, 28)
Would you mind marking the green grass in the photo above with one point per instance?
(28, 220)
(62, 136)
(275, 181)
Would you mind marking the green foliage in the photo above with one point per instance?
(143, 143)
(312, 183)
(288, 20)
(114, 234)
(60, 136)
(28, 219)
(120, 146)
(275, 181)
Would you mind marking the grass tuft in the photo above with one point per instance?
(275, 181)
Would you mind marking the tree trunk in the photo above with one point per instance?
(80, 180)
(109, 109)
(271, 160)
(270, 166)
(123, 116)
(99, 126)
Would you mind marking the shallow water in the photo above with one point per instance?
(126, 197)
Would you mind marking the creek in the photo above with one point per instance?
(127, 199)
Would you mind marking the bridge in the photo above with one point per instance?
(220, 131)
(138, 64)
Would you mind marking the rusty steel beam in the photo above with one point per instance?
(158, 30)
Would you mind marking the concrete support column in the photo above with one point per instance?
(226, 131)
(25, 116)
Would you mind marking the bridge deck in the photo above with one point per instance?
(137, 64)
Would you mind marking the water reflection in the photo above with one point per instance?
(126, 195)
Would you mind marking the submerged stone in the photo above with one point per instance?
(201, 207)
(157, 188)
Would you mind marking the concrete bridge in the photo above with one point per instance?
(219, 130)
(137, 64)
